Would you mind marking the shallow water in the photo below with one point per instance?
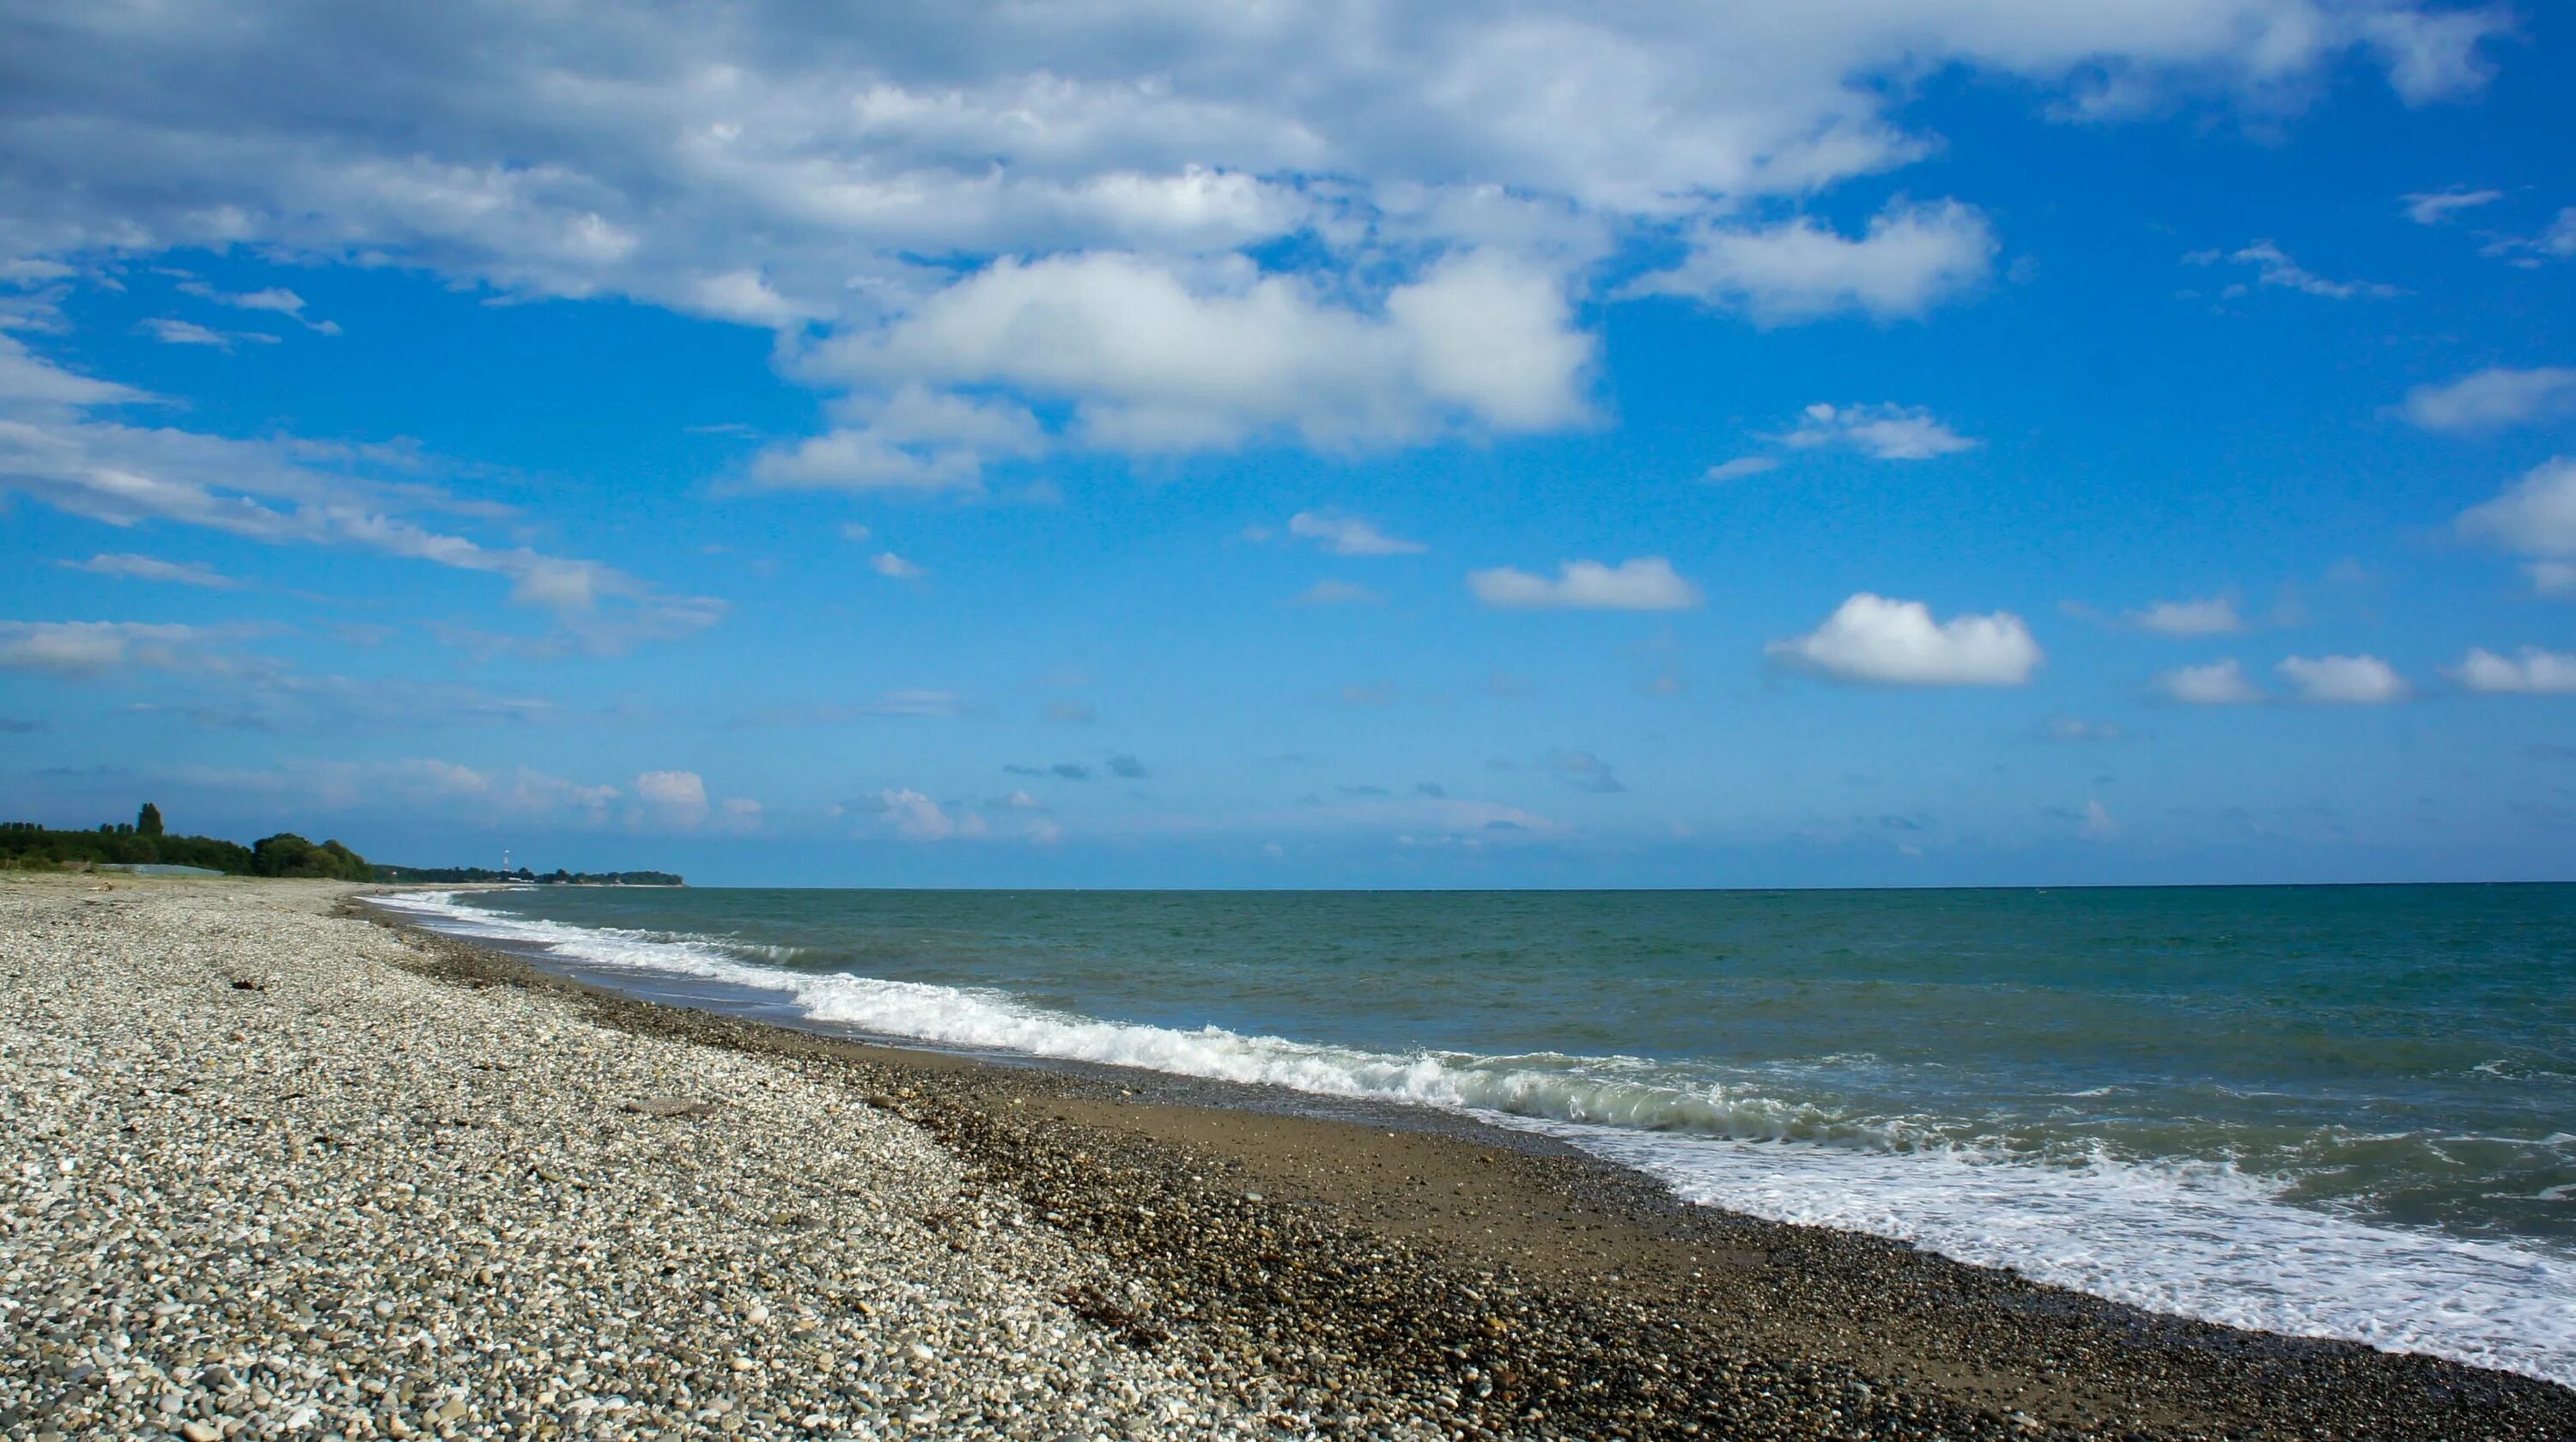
(2343, 1111)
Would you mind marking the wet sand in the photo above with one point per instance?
(1385, 1262)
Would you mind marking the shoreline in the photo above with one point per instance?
(1246, 1271)
(1610, 1252)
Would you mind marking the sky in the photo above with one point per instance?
(1834, 443)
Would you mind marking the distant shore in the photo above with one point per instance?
(1174, 1258)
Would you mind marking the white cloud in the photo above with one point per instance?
(672, 798)
(2553, 578)
(172, 331)
(2433, 207)
(2536, 517)
(1912, 258)
(887, 563)
(2344, 680)
(2097, 824)
(1740, 468)
(672, 788)
(1880, 432)
(152, 568)
(1337, 593)
(2531, 671)
(2556, 241)
(1156, 359)
(1879, 641)
(96, 648)
(1350, 536)
(2220, 683)
(1648, 583)
(290, 491)
(2215, 616)
(2274, 267)
(841, 178)
(2433, 55)
(2493, 399)
(916, 817)
(914, 439)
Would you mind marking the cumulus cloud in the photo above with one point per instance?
(1880, 432)
(2530, 671)
(2344, 680)
(2215, 616)
(1648, 583)
(676, 798)
(894, 567)
(843, 179)
(2219, 683)
(1350, 536)
(1154, 360)
(2433, 207)
(1912, 258)
(916, 817)
(2535, 517)
(2274, 267)
(2494, 399)
(150, 568)
(1878, 641)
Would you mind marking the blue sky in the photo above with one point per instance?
(1854, 444)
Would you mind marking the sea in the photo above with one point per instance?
(2327, 1111)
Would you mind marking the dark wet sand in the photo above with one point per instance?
(1402, 1262)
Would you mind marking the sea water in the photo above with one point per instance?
(2330, 1111)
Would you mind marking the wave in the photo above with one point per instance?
(2192, 1237)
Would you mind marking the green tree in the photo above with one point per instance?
(287, 854)
(148, 820)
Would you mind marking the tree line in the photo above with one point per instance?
(145, 841)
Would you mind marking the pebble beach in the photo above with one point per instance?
(264, 1180)
(269, 1168)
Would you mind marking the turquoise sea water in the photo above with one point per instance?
(2331, 1110)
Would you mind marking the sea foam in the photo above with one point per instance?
(2187, 1236)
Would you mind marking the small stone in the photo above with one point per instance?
(196, 1431)
(683, 1107)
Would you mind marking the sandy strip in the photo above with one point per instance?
(406, 1161)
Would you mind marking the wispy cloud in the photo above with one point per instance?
(1881, 432)
(2274, 268)
(148, 568)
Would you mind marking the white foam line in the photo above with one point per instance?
(2192, 1239)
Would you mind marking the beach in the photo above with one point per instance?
(279, 1169)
